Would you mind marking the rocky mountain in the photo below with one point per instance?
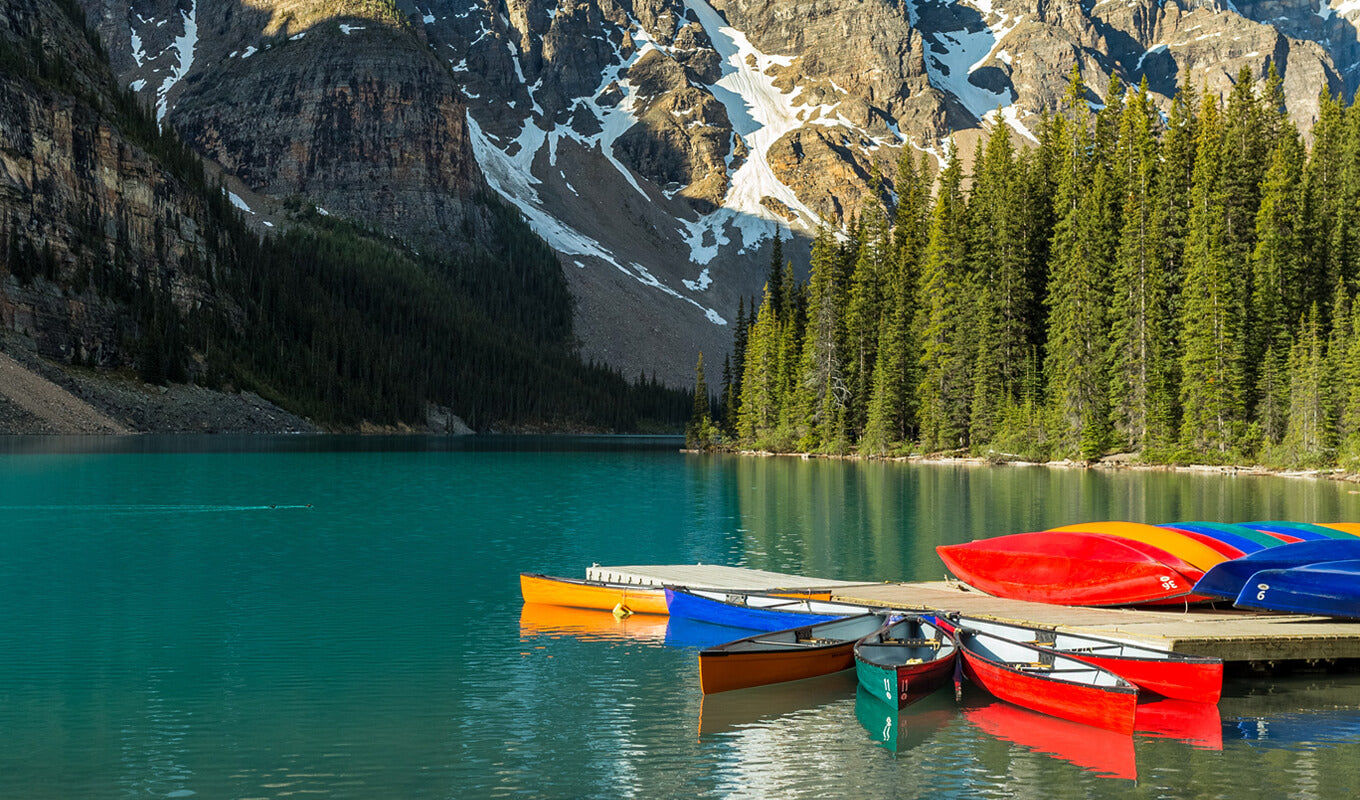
(658, 145)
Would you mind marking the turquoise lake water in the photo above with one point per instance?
(333, 617)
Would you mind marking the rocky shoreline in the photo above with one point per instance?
(39, 397)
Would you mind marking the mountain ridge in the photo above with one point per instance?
(659, 145)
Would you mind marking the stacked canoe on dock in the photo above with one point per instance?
(1128, 563)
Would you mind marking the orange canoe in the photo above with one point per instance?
(579, 593)
(789, 655)
(1199, 555)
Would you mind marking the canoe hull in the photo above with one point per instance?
(1068, 568)
(1228, 579)
(547, 590)
(1331, 589)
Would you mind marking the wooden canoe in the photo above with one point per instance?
(1176, 675)
(789, 655)
(1069, 568)
(905, 660)
(1330, 589)
(1046, 681)
(1227, 579)
(580, 593)
(753, 610)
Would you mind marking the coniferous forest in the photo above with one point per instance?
(1178, 285)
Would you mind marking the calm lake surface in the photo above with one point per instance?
(314, 616)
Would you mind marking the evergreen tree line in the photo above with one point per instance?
(1181, 286)
(330, 320)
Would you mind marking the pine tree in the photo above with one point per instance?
(1004, 304)
(1139, 312)
(1211, 315)
(1277, 299)
(1078, 334)
(864, 311)
(947, 353)
(699, 433)
(1170, 216)
(759, 411)
(1324, 190)
(822, 392)
(891, 414)
(1307, 438)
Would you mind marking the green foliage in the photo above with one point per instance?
(1174, 257)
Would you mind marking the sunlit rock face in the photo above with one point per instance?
(659, 145)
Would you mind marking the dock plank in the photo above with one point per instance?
(712, 576)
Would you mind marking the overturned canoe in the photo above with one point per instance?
(1067, 567)
(1227, 579)
(775, 656)
(1199, 555)
(905, 660)
(1330, 589)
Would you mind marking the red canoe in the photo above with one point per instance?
(1198, 679)
(1042, 680)
(1069, 568)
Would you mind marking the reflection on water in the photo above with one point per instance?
(555, 621)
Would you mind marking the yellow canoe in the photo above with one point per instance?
(1198, 555)
(578, 593)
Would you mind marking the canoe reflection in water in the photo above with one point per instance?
(557, 621)
(913, 726)
(729, 711)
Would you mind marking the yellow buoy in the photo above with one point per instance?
(622, 611)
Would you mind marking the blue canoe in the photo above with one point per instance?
(1227, 579)
(1331, 589)
(753, 611)
(1245, 539)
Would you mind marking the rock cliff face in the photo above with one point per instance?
(72, 182)
(659, 144)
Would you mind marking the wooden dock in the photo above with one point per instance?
(1264, 640)
(713, 576)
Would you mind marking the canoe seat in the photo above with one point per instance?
(1032, 666)
(920, 642)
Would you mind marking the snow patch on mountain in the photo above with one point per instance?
(760, 114)
(512, 177)
(184, 48)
